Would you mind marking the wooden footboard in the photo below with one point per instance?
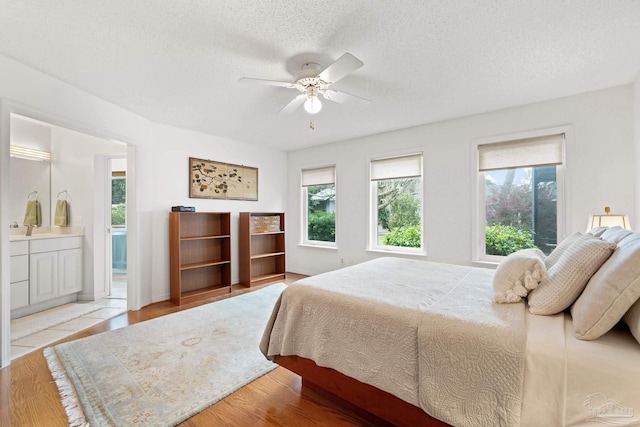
(365, 400)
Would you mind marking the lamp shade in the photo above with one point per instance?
(609, 220)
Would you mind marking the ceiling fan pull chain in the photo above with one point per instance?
(311, 125)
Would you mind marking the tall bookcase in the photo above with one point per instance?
(200, 255)
(261, 248)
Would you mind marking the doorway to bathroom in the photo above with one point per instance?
(117, 196)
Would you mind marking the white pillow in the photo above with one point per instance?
(610, 292)
(597, 231)
(555, 255)
(567, 278)
(517, 274)
(615, 234)
(632, 319)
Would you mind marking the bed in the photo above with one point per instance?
(409, 342)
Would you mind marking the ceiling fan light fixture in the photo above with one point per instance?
(312, 83)
(313, 105)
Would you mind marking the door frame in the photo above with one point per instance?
(7, 107)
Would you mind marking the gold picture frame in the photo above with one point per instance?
(209, 179)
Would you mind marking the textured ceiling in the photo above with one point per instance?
(178, 62)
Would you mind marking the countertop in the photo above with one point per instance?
(19, 234)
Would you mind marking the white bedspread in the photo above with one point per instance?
(472, 356)
(376, 316)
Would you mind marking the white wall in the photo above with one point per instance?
(172, 149)
(28, 92)
(38, 174)
(600, 172)
(156, 176)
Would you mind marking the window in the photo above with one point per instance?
(519, 195)
(396, 208)
(319, 206)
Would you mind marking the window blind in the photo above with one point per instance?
(522, 153)
(319, 176)
(396, 167)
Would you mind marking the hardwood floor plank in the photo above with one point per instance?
(29, 396)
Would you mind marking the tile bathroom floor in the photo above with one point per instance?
(37, 331)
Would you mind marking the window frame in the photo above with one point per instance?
(479, 197)
(372, 244)
(304, 214)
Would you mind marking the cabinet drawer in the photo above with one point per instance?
(56, 244)
(19, 294)
(19, 268)
(19, 248)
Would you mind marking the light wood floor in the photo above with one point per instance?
(29, 396)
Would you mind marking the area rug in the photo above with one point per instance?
(163, 371)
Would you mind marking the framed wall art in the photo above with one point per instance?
(209, 179)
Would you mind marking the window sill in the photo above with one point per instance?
(485, 264)
(399, 252)
(307, 245)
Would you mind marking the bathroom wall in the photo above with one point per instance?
(73, 161)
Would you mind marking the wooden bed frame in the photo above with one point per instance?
(367, 401)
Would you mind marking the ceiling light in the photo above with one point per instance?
(312, 105)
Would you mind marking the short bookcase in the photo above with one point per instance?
(200, 255)
(261, 248)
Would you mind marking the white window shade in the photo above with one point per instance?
(319, 176)
(522, 153)
(396, 167)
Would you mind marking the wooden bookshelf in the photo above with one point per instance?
(261, 247)
(199, 255)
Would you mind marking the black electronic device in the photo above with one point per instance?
(183, 208)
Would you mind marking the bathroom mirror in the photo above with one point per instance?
(29, 178)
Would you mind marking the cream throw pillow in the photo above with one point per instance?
(632, 319)
(555, 255)
(567, 278)
(517, 274)
(610, 292)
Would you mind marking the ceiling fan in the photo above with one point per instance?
(314, 83)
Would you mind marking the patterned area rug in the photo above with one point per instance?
(163, 371)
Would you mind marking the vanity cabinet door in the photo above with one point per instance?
(70, 271)
(43, 277)
(19, 275)
(19, 294)
(19, 268)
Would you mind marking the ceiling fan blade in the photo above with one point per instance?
(345, 98)
(345, 65)
(266, 82)
(294, 104)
